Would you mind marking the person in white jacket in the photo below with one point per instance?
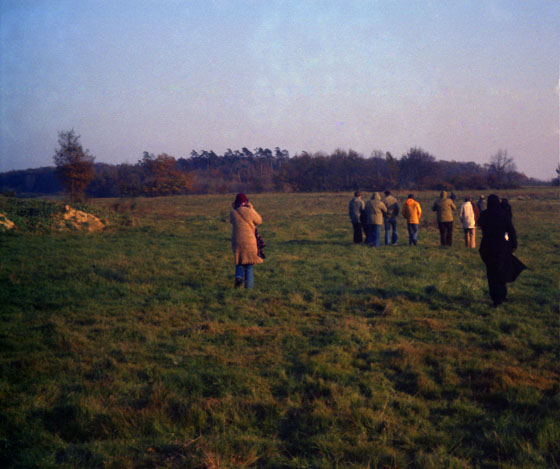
(469, 222)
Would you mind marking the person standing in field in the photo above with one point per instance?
(355, 209)
(390, 218)
(444, 208)
(244, 219)
(375, 209)
(496, 249)
(481, 203)
(412, 212)
(506, 207)
(468, 220)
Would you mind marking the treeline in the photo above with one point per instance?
(263, 170)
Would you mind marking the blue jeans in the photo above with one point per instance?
(391, 223)
(247, 272)
(374, 235)
(412, 233)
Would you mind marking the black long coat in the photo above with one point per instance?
(496, 252)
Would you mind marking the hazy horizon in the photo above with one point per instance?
(460, 79)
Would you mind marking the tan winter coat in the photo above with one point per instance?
(375, 209)
(444, 208)
(243, 241)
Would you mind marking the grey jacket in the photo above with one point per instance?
(355, 207)
(392, 207)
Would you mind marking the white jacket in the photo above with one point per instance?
(467, 215)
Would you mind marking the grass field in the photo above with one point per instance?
(130, 348)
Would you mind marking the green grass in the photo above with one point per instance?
(130, 348)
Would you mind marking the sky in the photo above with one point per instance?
(460, 79)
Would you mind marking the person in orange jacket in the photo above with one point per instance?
(412, 212)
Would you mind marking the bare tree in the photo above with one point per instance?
(501, 168)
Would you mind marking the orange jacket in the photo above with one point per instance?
(412, 211)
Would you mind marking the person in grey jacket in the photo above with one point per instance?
(355, 210)
(481, 203)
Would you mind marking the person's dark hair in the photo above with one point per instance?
(493, 202)
(468, 198)
(357, 194)
(387, 192)
(411, 196)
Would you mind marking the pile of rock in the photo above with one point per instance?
(78, 220)
(69, 219)
(5, 223)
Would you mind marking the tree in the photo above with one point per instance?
(501, 169)
(556, 180)
(104, 182)
(74, 166)
(417, 169)
(163, 177)
(392, 165)
(130, 180)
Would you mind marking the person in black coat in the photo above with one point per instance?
(496, 251)
(506, 207)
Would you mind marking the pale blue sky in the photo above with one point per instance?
(459, 78)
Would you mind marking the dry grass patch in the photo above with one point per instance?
(491, 379)
(432, 324)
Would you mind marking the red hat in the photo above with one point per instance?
(241, 199)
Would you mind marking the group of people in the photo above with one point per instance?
(377, 212)
(499, 238)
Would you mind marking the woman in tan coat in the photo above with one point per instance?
(375, 209)
(244, 219)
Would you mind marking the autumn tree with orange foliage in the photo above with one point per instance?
(163, 177)
(74, 166)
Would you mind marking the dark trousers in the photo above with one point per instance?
(357, 232)
(445, 232)
(496, 286)
(412, 233)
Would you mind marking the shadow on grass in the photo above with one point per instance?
(430, 295)
(310, 242)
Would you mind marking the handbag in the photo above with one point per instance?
(260, 244)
